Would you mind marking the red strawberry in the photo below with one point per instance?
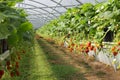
(17, 73)
(86, 50)
(101, 45)
(8, 67)
(113, 49)
(69, 46)
(119, 43)
(91, 48)
(115, 53)
(71, 49)
(12, 74)
(73, 44)
(17, 65)
(88, 44)
(19, 57)
(1, 73)
(8, 63)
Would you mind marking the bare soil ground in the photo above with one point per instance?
(89, 68)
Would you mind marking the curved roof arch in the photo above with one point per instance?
(42, 11)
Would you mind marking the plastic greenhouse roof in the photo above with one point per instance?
(42, 11)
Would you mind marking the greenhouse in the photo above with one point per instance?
(59, 39)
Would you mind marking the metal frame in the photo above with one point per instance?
(36, 6)
(39, 11)
(59, 4)
(79, 2)
(44, 5)
(39, 17)
(40, 14)
(52, 7)
(46, 15)
(44, 19)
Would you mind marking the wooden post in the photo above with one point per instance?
(4, 45)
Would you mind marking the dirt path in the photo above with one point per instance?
(90, 70)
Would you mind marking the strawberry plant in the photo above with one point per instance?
(18, 31)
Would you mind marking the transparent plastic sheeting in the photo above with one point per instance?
(43, 11)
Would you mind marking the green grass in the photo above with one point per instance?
(63, 71)
(36, 65)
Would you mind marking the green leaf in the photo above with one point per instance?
(2, 17)
(26, 26)
(13, 39)
(4, 32)
(99, 35)
(107, 15)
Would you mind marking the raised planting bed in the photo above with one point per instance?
(104, 54)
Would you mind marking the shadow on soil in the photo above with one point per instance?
(61, 69)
